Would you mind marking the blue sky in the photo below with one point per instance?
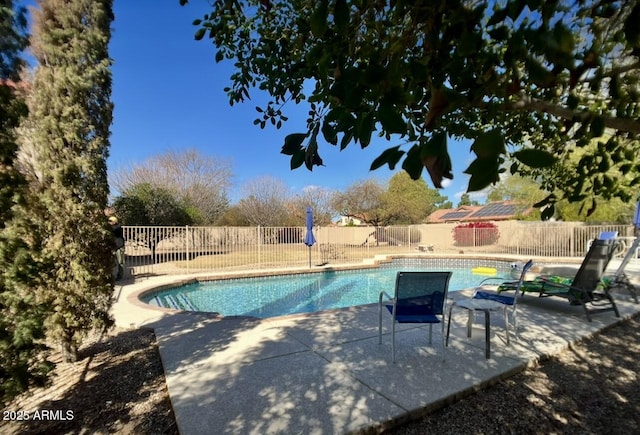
(168, 95)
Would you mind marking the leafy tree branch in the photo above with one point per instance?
(523, 81)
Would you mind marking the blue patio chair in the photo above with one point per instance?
(486, 302)
(608, 235)
(620, 278)
(419, 297)
(604, 235)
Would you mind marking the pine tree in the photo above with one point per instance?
(70, 113)
(22, 352)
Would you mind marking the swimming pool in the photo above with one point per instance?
(273, 296)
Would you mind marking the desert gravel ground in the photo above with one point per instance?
(118, 386)
(591, 388)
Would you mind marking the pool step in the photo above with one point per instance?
(186, 302)
(176, 302)
(172, 302)
(156, 302)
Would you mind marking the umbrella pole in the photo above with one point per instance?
(309, 257)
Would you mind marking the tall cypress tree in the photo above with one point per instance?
(70, 113)
(22, 352)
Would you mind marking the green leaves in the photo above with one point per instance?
(535, 158)
(597, 126)
(483, 172)
(564, 39)
(391, 119)
(412, 163)
(365, 125)
(537, 70)
(329, 133)
(489, 144)
(308, 155)
(390, 156)
(75, 273)
(293, 147)
(539, 75)
(293, 143)
(499, 15)
(434, 156)
(318, 21)
(632, 27)
(341, 16)
(431, 153)
(311, 156)
(489, 147)
(200, 33)
(485, 169)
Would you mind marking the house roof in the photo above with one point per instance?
(493, 211)
(453, 214)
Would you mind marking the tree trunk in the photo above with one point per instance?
(69, 350)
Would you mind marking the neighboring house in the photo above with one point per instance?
(343, 221)
(493, 211)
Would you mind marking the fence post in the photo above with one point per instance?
(572, 241)
(186, 230)
(259, 246)
(411, 241)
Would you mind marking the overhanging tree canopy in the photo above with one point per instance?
(526, 81)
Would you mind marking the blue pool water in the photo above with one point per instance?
(310, 292)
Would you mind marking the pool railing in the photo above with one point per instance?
(182, 250)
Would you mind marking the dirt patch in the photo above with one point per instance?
(592, 388)
(117, 386)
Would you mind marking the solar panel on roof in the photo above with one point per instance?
(455, 215)
(496, 209)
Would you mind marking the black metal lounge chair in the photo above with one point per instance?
(587, 288)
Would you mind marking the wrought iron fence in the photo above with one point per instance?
(179, 250)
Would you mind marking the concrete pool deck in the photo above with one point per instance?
(326, 373)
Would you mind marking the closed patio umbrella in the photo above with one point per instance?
(309, 239)
(636, 219)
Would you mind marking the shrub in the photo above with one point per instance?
(476, 234)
